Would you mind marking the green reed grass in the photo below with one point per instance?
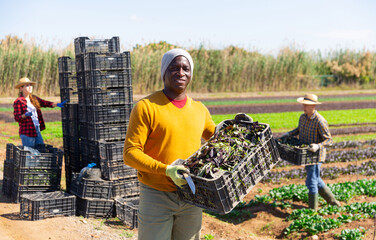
(231, 69)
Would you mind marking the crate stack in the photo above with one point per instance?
(27, 172)
(69, 116)
(94, 196)
(105, 100)
(8, 171)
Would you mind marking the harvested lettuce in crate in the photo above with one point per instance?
(225, 149)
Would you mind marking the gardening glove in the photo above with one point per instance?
(28, 114)
(61, 104)
(243, 117)
(314, 147)
(221, 125)
(172, 172)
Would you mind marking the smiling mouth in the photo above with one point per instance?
(180, 80)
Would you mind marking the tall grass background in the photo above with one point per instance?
(231, 69)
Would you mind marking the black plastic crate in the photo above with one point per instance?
(71, 128)
(70, 111)
(69, 94)
(106, 114)
(126, 210)
(66, 65)
(39, 206)
(117, 172)
(10, 151)
(85, 45)
(106, 97)
(19, 190)
(222, 193)
(8, 169)
(290, 150)
(95, 208)
(48, 157)
(68, 80)
(93, 189)
(111, 153)
(127, 187)
(89, 149)
(102, 62)
(7, 186)
(71, 144)
(38, 177)
(72, 161)
(103, 132)
(106, 79)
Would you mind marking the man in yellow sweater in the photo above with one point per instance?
(163, 127)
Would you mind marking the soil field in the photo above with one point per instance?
(55, 115)
(263, 222)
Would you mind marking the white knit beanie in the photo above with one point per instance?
(170, 55)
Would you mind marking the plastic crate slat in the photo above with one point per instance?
(298, 156)
(103, 62)
(106, 97)
(223, 193)
(103, 132)
(126, 210)
(94, 208)
(17, 191)
(106, 114)
(66, 65)
(105, 79)
(85, 45)
(50, 158)
(128, 187)
(85, 188)
(44, 205)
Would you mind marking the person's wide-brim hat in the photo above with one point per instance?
(310, 99)
(24, 81)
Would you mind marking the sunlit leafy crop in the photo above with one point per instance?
(225, 149)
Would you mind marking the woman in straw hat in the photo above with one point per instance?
(313, 129)
(28, 114)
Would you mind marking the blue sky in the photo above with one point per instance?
(265, 26)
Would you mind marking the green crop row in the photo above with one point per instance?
(286, 121)
(273, 101)
(315, 222)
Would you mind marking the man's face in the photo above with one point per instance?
(309, 109)
(178, 75)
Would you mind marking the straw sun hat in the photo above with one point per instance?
(24, 81)
(310, 99)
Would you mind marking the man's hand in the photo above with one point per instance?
(172, 172)
(61, 104)
(243, 117)
(28, 114)
(314, 147)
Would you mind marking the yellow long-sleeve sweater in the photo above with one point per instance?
(159, 133)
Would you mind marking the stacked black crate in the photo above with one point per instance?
(105, 102)
(94, 196)
(70, 117)
(35, 170)
(8, 173)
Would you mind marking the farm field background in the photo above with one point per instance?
(266, 209)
